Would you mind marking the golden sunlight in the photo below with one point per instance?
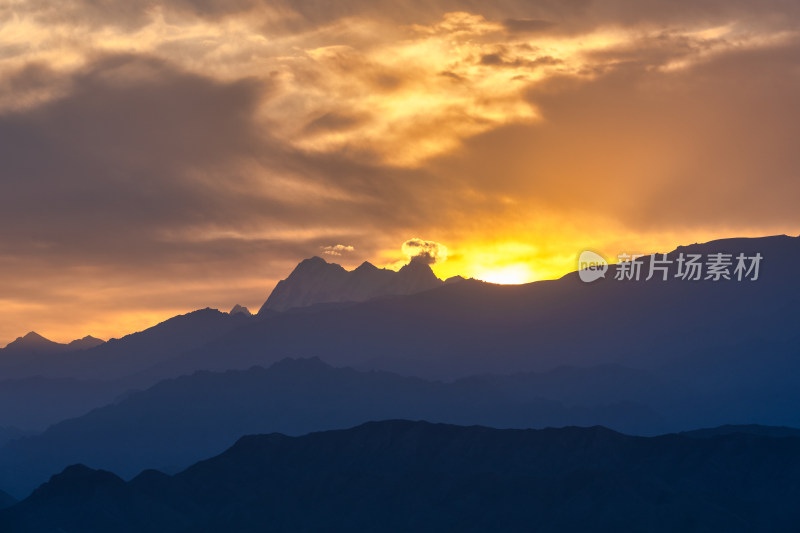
(514, 274)
(504, 263)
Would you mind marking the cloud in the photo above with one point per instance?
(151, 148)
(527, 25)
(134, 145)
(338, 249)
(533, 17)
(332, 121)
(429, 252)
(498, 59)
(700, 146)
(132, 16)
(139, 188)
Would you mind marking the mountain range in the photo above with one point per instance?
(34, 344)
(459, 329)
(416, 476)
(735, 341)
(642, 357)
(32, 404)
(123, 358)
(739, 335)
(180, 421)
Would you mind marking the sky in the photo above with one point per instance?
(159, 156)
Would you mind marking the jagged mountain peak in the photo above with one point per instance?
(31, 340)
(33, 343)
(86, 342)
(240, 310)
(366, 266)
(32, 336)
(315, 281)
(314, 264)
(417, 267)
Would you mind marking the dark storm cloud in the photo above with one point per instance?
(28, 84)
(130, 15)
(145, 189)
(125, 168)
(557, 16)
(121, 148)
(518, 16)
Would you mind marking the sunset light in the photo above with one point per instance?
(508, 275)
(244, 136)
(306, 266)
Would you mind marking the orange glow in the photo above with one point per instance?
(508, 275)
(514, 150)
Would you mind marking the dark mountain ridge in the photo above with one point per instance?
(470, 327)
(6, 500)
(733, 330)
(180, 421)
(36, 402)
(416, 476)
(735, 343)
(123, 357)
(34, 344)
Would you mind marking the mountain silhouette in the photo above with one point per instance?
(34, 344)
(316, 281)
(727, 350)
(748, 429)
(85, 343)
(238, 309)
(180, 421)
(8, 433)
(34, 403)
(728, 332)
(458, 329)
(396, 475)
(126, 356)
(6, 500)
(40, 388)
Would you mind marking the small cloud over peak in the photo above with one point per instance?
(429, 252)
(337, 249)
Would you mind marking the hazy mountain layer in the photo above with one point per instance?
(178, 422)
(34, 403)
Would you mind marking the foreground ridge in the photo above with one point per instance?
(416, 476)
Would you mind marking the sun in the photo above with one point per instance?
(514, 274)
